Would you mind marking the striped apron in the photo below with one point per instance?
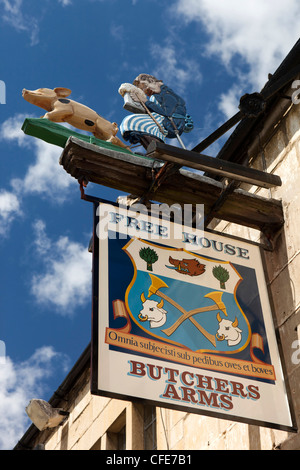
(142, 123)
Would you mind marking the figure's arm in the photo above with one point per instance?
(155, 108)
(166, 102)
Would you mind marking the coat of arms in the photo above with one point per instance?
(186, 299)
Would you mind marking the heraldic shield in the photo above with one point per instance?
(186, 299)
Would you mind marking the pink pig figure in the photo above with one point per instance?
(61, 109)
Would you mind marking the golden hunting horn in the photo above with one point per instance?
(217, 298)
(219, 305)
(140, 316)
(156, 284)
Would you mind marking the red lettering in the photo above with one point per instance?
(204, 382)
(170, 392)
(238, 389)
(189, 395)
(208, 399)
(220, 384)
(151, 368)
(183, 378)
(171, 374)
(226, 402)
(137, 368)
(253, 392)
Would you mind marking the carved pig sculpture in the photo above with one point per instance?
(61, 109)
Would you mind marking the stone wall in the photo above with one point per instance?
(277, 150)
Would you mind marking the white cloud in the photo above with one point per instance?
(45, 177)
(42, 242)
(260, 31)
(19, 383)
(117, 31)
(257, 32)
(13, 15)
(65, 282)
(9, 210)
(229, 101)
(65, 3)
(172, 66)
(11, 131)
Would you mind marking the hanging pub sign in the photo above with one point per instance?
(182, 319)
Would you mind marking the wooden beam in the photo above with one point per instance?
(134, 174)
(212, 165)
(218, 132)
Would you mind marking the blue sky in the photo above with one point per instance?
(209, 51)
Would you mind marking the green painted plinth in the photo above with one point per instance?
(57, 134)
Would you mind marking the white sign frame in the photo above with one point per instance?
(121, 370)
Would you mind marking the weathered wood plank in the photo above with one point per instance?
(212, 165)
(133, 174)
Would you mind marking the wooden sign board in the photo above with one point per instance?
(182, 319)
